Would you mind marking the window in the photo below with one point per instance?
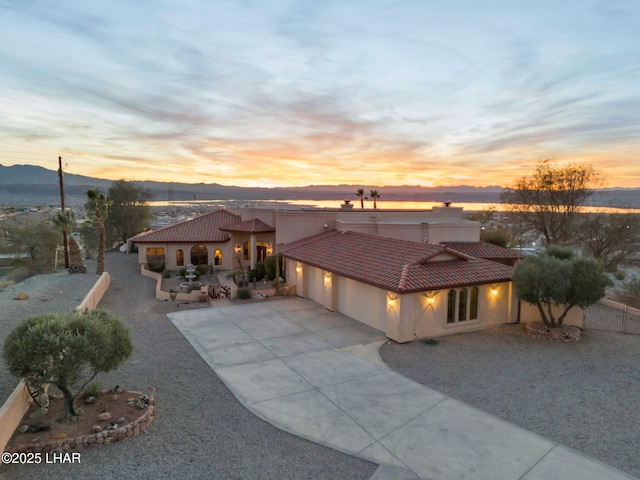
(247, 251)
(217, 257)
(180, 258)
(155, 256)
(462, 305)
(451, 306)
(199, 255)
(473, 304)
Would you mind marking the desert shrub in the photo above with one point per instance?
(563, 253)
(92, 390)
(202, 269)
(632, 287)
(270, 267)
(257, 273)
(155, 267)
(19, 274)
(497, 237)
(619, 275)
(244, 293)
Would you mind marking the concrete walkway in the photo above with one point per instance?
(317, 374)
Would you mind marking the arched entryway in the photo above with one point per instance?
(199, 255)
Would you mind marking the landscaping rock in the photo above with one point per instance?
(103, 417)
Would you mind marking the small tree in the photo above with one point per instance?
(547, 280)
(67, 349)
(549, 200)
(611, 238)
(496, 236)
(129, 212)
(37, 239)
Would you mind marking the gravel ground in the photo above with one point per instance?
(583, 395)
(201, 431)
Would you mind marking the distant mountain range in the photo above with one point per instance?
(33, 185)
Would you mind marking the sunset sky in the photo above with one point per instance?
(283, 93)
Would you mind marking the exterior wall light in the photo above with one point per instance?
(391, 299)
(238, 248)
(327, 278)
(430, 296)
(298, 268)
(494, 290)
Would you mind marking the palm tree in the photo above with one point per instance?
(66, 221)
(375, 195)
(101, 206)
(360, 195)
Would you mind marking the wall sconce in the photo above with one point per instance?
(430, 296)
(238, 248)
(327, 278)
(269, 249)
(298, 268)
(494, 289)
(391, 299)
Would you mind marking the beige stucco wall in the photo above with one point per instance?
(315, 284)
(413, 315)
(405, 317)
(362, 302)
(12, 411)
(435, 225)
(529, 313)
(96, 293)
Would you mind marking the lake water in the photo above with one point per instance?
(391, 205)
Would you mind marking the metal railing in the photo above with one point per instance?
(611, 316)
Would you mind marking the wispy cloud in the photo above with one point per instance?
(295, 93)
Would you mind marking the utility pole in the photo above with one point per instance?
(64, 233)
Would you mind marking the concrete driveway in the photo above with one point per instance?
(317, 374)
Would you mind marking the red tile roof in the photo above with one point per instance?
(400, 266)
(484, 250)
(249, 226)
(202, 229)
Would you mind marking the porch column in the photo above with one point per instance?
(301, 276)
(330, 292)
(400, 325)
(253, 251)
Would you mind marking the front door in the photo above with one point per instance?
(262, 253)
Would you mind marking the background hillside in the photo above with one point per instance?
(33, 185)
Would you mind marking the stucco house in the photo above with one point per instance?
(198, 241)
(408, 273)
(403, 288)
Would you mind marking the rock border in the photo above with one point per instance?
(566, 334)
(92, 440)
